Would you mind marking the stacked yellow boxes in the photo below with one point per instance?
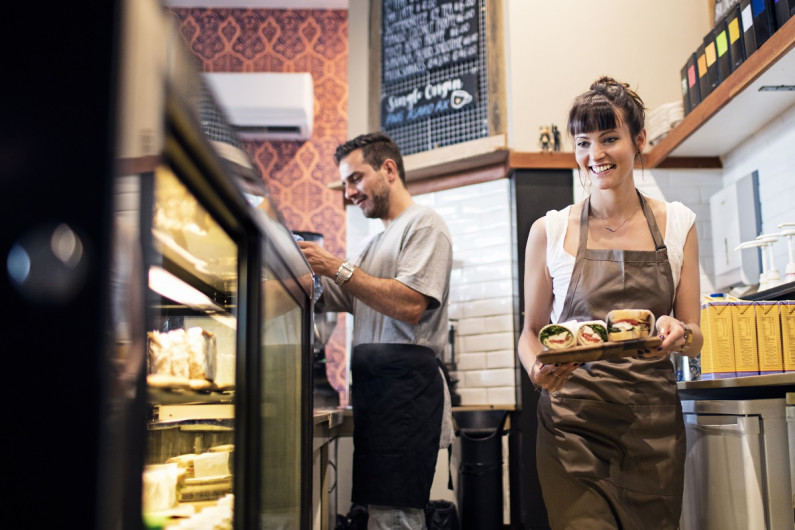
(717, 354)
(787, 315)
(746, 354)
(768, 333)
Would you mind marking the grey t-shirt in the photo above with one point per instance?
(415, 249)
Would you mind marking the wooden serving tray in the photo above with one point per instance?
(599, 352)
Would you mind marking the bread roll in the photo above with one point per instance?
(629, 324)
(158, 356)
(202, 353)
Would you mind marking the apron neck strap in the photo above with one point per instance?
(659, 243)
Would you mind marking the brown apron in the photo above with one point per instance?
(611, 442)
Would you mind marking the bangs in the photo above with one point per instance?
(593, 114)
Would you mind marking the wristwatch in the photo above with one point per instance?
(344, 273)
(688, 336)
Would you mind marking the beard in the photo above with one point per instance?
(379, 198)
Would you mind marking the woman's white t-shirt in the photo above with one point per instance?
(679, 219)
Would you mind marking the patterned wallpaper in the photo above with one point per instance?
(295, 172)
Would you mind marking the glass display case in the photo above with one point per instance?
(228, 320)
(192, 346)
(160, 305)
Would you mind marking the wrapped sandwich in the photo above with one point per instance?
(591, 333)
(629, 324)
(557, 336)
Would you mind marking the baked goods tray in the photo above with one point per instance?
(599, 352)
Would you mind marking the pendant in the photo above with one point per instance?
(609, 229)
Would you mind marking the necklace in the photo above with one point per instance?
(630, 216)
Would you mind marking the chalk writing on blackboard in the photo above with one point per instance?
(422, 35)
(425, 100)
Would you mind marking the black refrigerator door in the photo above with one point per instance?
(56, 151)
(534, 193)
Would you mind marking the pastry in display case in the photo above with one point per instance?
(190, 361)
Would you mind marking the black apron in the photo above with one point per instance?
(611, 442)
(397, 395)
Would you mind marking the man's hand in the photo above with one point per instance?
(323, 262)
(388, 296)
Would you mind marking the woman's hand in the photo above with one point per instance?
(552, 377)
(672, 333)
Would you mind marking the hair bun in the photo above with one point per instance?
(606, 82)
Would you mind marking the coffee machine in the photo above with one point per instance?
(325, 396)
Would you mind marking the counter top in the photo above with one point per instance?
(330, 423)
(484, 407)
(332, 417)
(750, 387)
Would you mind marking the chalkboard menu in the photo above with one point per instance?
(432, 72)
(426, 99)
(422, 35)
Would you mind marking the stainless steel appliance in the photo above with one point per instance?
(737, 467)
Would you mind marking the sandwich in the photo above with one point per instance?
(629, 324)
(591, 333)
(557, 336)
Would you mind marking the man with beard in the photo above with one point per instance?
(397, 290)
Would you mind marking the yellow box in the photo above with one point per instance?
(787, 315)
(768, 338)
(746, 355)
(717, 354)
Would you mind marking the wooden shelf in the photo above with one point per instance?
(736, 109)
(732, 113)
(565, 160)
(542, 160)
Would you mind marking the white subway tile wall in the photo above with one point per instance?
(693, 188)
(481, 289)
(769, 151)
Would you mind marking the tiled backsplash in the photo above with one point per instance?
(769, 151)
(481, 289)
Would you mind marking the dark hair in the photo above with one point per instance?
(604, 106)
(376, 148)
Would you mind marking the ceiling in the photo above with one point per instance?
(261, 4)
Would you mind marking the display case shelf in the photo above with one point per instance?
(172, 396)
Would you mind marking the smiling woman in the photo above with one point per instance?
(614, 249)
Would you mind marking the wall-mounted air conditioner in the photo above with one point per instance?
(265, 105)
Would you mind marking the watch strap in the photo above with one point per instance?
(344, 273)
(688, 336)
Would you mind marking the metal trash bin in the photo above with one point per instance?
(480, 469)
